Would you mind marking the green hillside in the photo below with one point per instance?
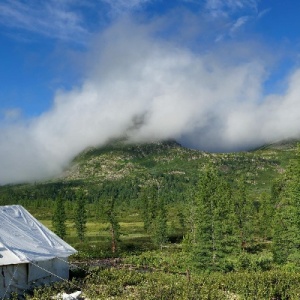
(172, 165)
(227, 218)
(121, 170)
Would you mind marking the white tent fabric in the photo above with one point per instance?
(24, 239)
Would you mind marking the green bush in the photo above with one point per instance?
(254, 262)
(133, 284)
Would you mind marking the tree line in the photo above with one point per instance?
(222, 223)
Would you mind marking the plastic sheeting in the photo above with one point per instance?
(26, 276)
(64, 296)
(24, 239)
(13, 278)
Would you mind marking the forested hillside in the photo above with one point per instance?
(122, 170)
(160, 205)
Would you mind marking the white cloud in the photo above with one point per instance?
(238, 24)
(50, 18)
(235, 14)
(70, 20)
(225, 7)
(150, 90)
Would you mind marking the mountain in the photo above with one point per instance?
(122, 170)
(169, 161)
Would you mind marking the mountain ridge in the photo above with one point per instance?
(119, 164)
(120, 160)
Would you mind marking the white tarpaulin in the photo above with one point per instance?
(25, 239)
(30, 254)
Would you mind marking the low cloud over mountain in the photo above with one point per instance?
(147, 88)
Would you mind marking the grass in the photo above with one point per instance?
(93, 227)
(132, 237)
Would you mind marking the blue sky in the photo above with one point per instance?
(35, 54)
(77, 73)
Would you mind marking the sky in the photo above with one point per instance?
(215, 75)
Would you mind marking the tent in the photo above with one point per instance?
(30, 254)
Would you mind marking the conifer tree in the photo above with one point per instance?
(154, 213)
(149, 206)
(286, 238)
(266, 211)
(191, 216)
(114, 228)
(214, 233)
(59, 218)
(286, 241)
(244, 211)
(80, 215)
(159, 226)
(109, 213)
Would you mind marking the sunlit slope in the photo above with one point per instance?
(169, 161)
(123, 171)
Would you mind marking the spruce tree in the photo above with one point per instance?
(109, 213)
(286, 238)
(244, 211)
(214, 236)
(149, 206)
(266, 211)
(154, 213)
(286, 241)
(80, 216)
(114, 228)
(159, 226)
(59, 218)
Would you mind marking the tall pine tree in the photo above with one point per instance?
(286, 241)
(80, 215)
(110, 215)
(59, 218)
(265, 216)
(159, 225)
(214, 234)
(244, 211)
(154, 213)
(149, 205)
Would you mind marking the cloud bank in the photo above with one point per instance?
(147, 89)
